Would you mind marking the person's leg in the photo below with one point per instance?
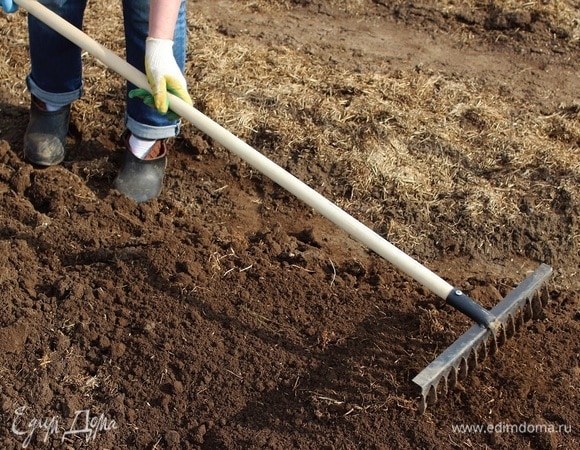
(142, 120)
(54, 82)
(141, 176)
(56, 71)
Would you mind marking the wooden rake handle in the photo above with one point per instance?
(261, 163)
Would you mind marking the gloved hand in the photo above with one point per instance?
(164, 76)
(147, 98)
(9, 6)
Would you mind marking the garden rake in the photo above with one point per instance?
(492, 326)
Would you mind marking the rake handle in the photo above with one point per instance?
(264, 165)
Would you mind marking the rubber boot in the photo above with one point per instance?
(142, 179)
(45, 136)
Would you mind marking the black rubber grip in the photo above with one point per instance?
(470, 308)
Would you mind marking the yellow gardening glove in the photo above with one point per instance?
(164, 74)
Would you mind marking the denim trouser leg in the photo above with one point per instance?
(56, 68)
(56, 71)
(142, 120)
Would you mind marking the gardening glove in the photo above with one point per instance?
(9, 6)
(164, 75)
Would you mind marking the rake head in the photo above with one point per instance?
(520, 305)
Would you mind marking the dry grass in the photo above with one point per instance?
(420, 137)
(386, 138)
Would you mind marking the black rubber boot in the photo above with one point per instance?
(45, 137)
(142, 179)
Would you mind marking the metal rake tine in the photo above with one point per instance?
(531, 294)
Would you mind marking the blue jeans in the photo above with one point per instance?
(56, 69)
